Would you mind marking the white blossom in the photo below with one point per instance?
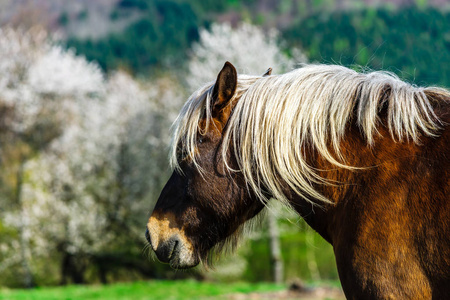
(61, 72)
(250, 49)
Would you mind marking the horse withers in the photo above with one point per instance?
(363, 158)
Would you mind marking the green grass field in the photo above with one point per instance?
(154, 290)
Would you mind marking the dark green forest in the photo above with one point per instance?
(413, 43)
(156, 39)
(410, 41)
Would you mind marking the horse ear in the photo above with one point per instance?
(225, 87)
(268, 72)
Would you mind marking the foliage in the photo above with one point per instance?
(407, 40)
(412, 42)
(158, 38)
(155, 39)
(299, 244)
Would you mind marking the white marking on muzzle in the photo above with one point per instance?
(163, 227)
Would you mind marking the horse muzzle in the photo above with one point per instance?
(170, 243)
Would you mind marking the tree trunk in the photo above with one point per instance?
(73, 268)
(311, 255)
(28, 279)
(275, 249)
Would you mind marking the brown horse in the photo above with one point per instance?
(363, 158)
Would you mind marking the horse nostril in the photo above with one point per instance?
(167, 250)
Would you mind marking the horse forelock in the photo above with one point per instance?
(277, 117)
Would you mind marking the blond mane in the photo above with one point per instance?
(276, 117)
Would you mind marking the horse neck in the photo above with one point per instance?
(392, 175)
(348, 187)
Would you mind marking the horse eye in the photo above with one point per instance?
(200, 140)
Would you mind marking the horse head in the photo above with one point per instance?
(193, 213)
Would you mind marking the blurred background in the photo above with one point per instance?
(89, 89)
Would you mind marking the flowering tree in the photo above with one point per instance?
(37, 92)
(84, 156)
